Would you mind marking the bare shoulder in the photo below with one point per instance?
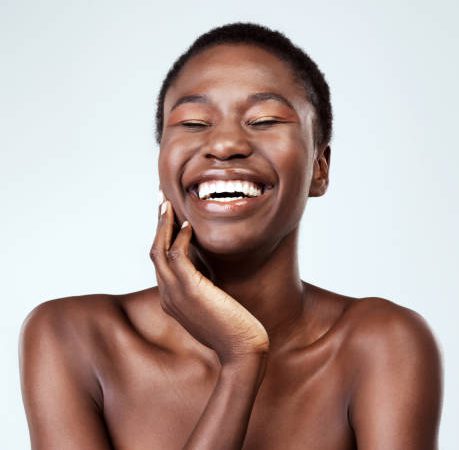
(67, 326)
(372, 330)
(63, 343)
(93, 317)
(397, 376)
(70, 316)
(378, 323)
(80, 334)
(361, 324)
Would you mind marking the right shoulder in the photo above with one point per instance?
(63, 317)
(66, 326)
(96, 326)
(59, 344)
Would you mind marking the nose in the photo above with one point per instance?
(226, 141)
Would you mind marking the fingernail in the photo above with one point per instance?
(160, 196)
(164, 207)
(185, 224)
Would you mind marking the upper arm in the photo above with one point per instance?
(397, 397)
(57, 388)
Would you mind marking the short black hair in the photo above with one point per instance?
(305, 69)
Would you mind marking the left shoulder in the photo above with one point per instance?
(397, 389)
(382, 325)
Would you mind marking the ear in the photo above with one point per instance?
(320, 171)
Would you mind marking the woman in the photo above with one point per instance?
(232, 350)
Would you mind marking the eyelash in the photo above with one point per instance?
(266, 122)
(197, 125)
(194, 124)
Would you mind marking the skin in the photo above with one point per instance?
(232, 350)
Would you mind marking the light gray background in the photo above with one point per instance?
(78, 174)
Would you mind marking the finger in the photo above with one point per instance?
(163, 293)
(160, 246)
(182, 241)
(167, 221)
(160, 196)
(178, 259)
(165, 225)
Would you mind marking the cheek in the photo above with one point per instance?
(168, 169)
(295, 185)
(163, 168)
(171, 161)
(290, 157)
(293, 167)
(173, 153)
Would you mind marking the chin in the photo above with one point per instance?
(230, 243)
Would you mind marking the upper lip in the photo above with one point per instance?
(228, 174)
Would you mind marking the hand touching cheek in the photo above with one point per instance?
(208, 313)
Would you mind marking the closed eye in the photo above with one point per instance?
(194, 124)
(265, 122)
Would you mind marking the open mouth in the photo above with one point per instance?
(227, 190)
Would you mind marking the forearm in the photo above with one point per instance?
(223, 424)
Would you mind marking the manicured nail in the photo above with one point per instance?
(185, 224)
(160, 196)
(164, 207)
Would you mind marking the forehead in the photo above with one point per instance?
(235, 68)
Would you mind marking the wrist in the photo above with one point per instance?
(246, 355)
(245, 368)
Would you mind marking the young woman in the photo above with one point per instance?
(232, 350)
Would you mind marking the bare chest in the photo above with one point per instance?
(156, 402)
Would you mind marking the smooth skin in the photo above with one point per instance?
(232, 350)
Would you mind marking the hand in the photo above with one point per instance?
(208, 313)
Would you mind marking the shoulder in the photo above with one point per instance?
(68, 317)
(73, 338)
(61, 342)
(397, 378)
(380, 324)
(361, 325)
(63, 327)
(56, 351)
(72, 329)
(92, 327)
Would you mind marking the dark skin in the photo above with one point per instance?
(232, 350)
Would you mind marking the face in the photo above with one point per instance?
(236, 113)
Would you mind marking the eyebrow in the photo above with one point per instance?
(189, 99)
(253, 98)
(264, 96)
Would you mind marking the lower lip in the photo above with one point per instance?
(231, 208)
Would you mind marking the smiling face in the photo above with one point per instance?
(237, 112)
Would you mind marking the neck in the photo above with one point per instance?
(266, 282)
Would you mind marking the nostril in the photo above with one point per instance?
(237, 155)
(227, 147)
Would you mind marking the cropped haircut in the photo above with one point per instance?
(304, 68)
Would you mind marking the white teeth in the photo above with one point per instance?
(212, 187)
(207, 188)
(219, 186)
(203, 190)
